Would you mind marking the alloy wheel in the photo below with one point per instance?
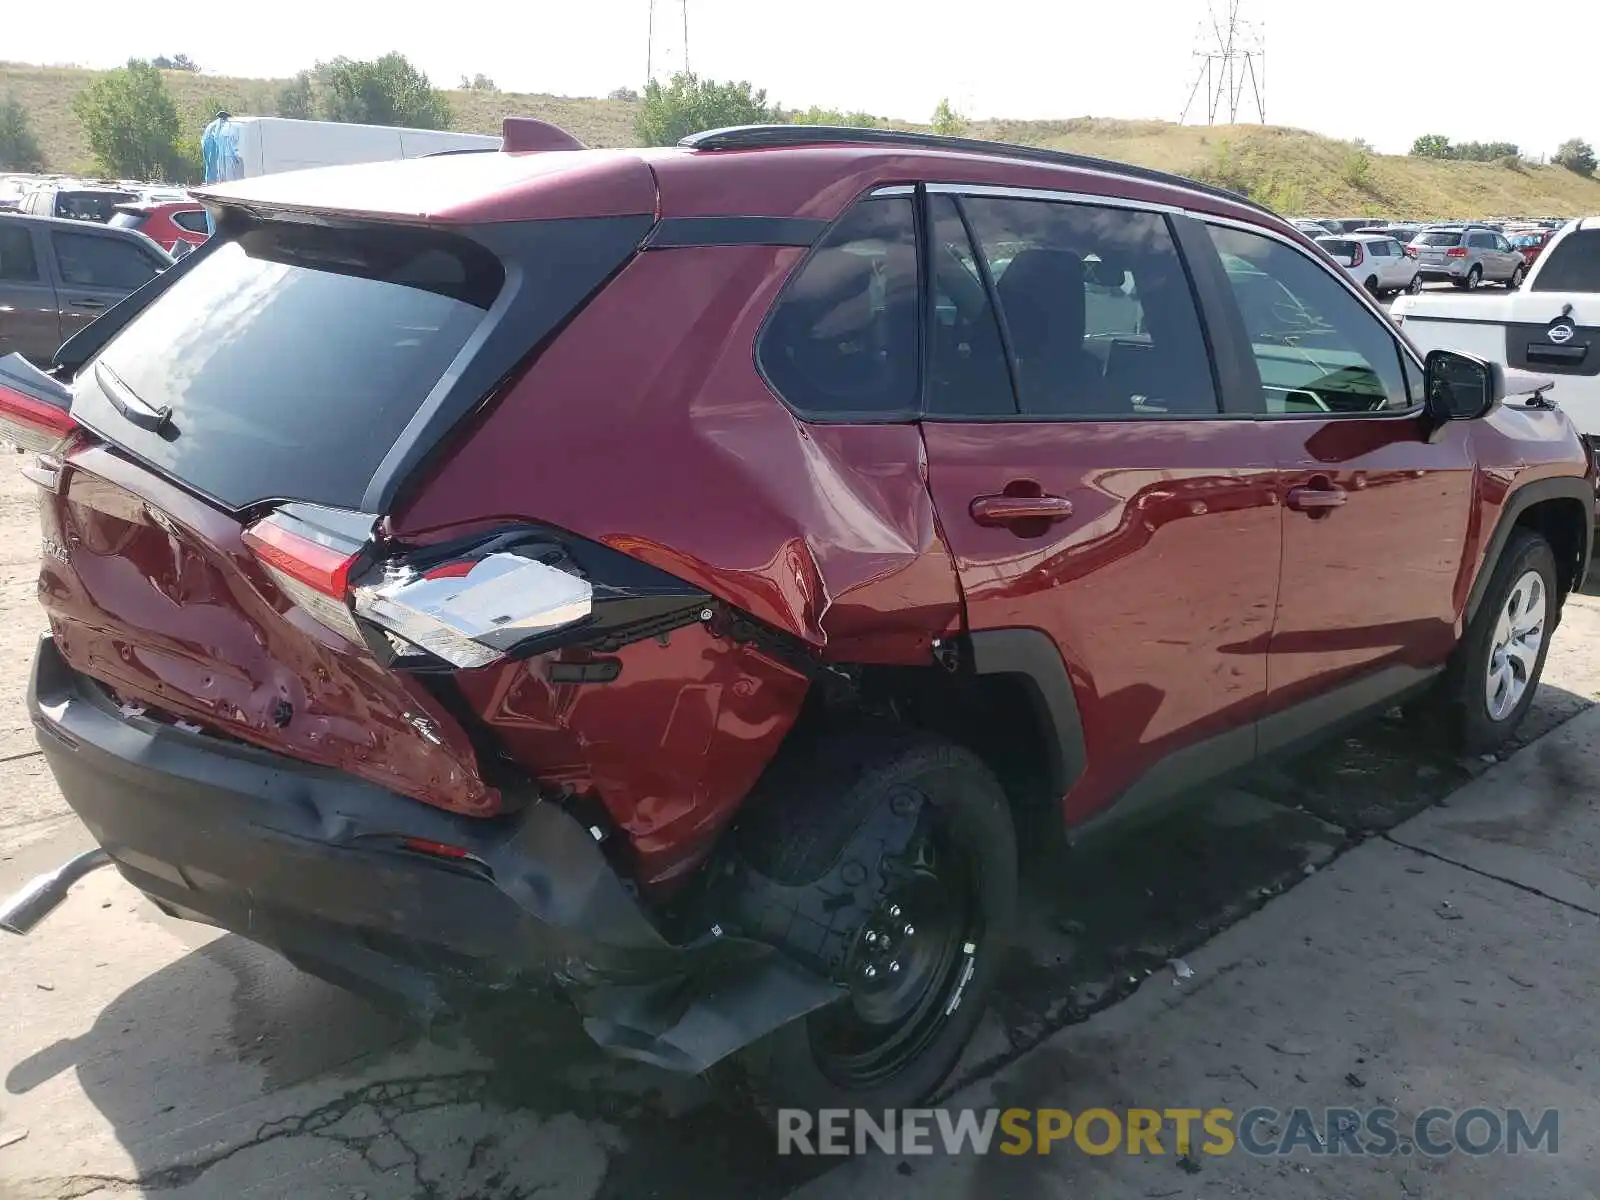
(1514, 650)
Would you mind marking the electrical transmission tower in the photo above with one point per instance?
(1231, 58)
(664, 50)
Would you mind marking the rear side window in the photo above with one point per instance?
(1482, 241)
(1098, 310)
(1439, 237)
(88, 260)
(842, 341)
(192, 220)
(1571, 264)
(18, 263)
(292, 358)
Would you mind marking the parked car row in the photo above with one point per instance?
(1467, 254)
(57, 275)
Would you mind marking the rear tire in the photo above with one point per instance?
(883, 1046)
(1495, 672)
(1415, 286)
(1473, 279)
(1372, 286)
(1515, 281)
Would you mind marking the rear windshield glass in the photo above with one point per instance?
(1339, 248)
(1439, 237)
(90, 206)
(1570, 265)
(292, 358)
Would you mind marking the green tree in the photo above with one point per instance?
(383, 91)
(947, 120)
(130, 120)
(623, 93)
(19, 148)
(832, 116)
(1576, 155)
(296, 98)
(478, 83)
(1431, 145)
(689, 104)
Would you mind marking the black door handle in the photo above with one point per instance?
(86, 302)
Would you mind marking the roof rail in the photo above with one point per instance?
(760, 137)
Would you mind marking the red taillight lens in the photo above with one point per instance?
(1456, 252)
(310, 565)
(301, 558)
(1358, 257)
(32, 424)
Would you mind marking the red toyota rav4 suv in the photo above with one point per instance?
(661, 574)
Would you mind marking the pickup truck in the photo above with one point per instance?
(58, 275)
(1549, 326)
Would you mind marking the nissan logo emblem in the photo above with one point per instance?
(1560, 334)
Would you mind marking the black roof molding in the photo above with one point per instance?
(763, 137)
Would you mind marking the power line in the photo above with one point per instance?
(1231, 56)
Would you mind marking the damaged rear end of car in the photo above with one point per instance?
(377, 749)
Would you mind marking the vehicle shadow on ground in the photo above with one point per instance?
(229, 1072)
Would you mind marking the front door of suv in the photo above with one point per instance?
(1375, 515)
(1089, 485)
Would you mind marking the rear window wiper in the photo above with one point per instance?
(127, 402)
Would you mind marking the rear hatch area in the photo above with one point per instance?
(236, 446)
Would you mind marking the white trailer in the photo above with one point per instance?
(268, 145)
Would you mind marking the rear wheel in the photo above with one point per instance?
(1372, 285)
(922, 963)
(1515, 281)
(1473, 279)
(1414, 286)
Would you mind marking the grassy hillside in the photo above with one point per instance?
(1289, 169)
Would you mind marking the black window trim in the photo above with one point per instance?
(1404, 348)
(1172, 216)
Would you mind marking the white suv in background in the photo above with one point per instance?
(1378, 263)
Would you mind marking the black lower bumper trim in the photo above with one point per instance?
(308, 861)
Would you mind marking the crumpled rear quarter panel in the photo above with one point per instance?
(647, 427)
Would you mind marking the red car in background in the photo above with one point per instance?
(1529, 244)
(177, 226)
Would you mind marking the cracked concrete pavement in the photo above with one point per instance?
(143, 1056)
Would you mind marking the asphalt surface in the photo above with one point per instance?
(142, 1056)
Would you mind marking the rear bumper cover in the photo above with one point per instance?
(308, 861)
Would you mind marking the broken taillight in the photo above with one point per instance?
(471, 608)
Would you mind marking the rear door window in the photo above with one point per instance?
(292, 358)
(90, 260)
(842, 341)
(1098, 310)
(1571, 264)
(18, 262)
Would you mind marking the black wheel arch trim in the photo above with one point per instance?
(1568, 487)
(1031, 654)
